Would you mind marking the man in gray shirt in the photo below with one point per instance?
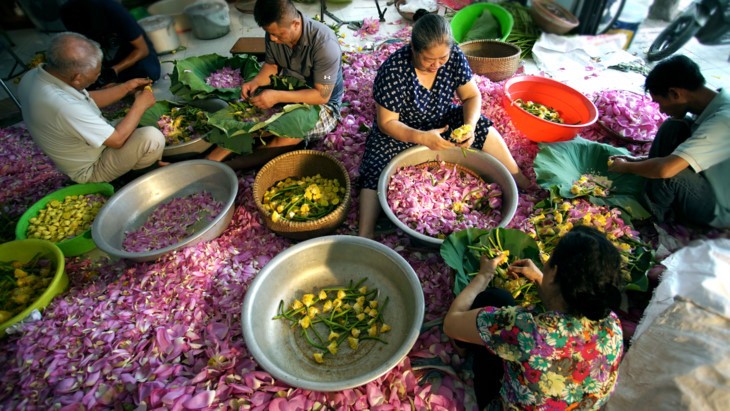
(303, 48)
(689, 160)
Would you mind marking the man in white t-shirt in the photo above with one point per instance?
(65, 121)
(689, 160)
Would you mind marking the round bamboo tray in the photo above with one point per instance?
(497, 60)
(302, 163)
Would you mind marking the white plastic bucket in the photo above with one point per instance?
(161, 31)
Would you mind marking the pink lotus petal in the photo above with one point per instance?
(201, 400)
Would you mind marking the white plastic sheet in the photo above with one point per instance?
(680, 356)
(699, 272)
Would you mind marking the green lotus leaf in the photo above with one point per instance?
(461, 250)
(559, 165)
(187, 80)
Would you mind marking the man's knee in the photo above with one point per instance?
(150, 139)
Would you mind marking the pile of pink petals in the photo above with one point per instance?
(225, 78)
(370, 25)
(26, 174)
(632, 115)
(171, 222)
(166, 124)
(438, 199)
(167, 334)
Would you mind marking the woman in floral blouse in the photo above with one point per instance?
(566, 357)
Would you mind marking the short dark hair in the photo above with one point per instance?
(266, 12)
(676, 71)
(588, 272)
(430, 30)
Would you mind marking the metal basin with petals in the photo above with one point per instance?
(481, 163)
(130, 207)
(331, 261)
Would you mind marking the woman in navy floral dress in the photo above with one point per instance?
(414, 91)
(563, 358)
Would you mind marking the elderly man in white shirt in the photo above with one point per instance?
(66, 122)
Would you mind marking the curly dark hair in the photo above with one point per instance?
(676, 71)
(588, 272)
(266, 12)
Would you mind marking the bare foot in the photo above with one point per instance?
(163, 163)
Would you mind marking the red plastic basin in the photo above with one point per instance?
(576, 110)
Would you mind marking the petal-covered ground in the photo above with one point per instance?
(168, 335)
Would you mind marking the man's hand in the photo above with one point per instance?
(248, 89)
(137, 84)
(145, 98)
(264, 100)
(433, 140)
(617, 164)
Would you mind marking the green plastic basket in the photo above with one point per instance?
(73, 246)
(465, 18)
(25, 250)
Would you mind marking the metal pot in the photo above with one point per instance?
(209, 19)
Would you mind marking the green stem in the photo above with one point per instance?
(309, 340)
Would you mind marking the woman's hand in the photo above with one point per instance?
(433, 140)
(528, 269)
(488, 266)
(468, 138)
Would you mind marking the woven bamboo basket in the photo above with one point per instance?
(302, 163)
(497, 60)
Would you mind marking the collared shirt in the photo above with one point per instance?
(708, 152)
(65, 123)
(316, 58)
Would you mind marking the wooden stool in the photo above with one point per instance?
(254, 46)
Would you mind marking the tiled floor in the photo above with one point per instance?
(712, 59)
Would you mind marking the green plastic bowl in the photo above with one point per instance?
(139, 13)
(73, 246)
(465, 18)
(25, 250)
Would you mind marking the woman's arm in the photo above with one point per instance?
(390, 124)
(460, 322)
(471, 98)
